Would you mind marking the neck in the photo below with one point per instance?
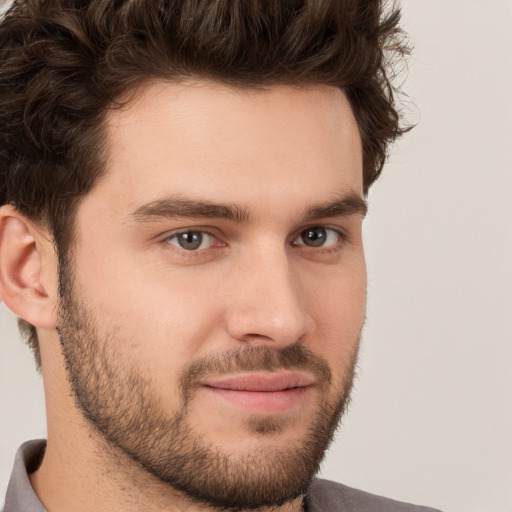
(86, 473)
(81, 471)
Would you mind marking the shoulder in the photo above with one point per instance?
(326, 496)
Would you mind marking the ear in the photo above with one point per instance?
(28, 269)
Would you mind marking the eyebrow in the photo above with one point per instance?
(189, 208)
(351, 204)
(178, 207)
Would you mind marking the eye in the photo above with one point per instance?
(192, 240)
(318, 236)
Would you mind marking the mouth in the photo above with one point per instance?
(263, 392)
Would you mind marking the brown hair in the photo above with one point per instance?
(64, 63)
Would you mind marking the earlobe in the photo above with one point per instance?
(22, 274)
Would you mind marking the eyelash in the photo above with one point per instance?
(192, 252)
(340, 234)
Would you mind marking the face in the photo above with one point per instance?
(212, 307)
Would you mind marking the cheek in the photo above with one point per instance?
(337, 304)
(162, 318)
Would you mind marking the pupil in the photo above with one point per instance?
(190, 240)
(314, 237)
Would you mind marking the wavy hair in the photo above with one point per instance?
(65, 63)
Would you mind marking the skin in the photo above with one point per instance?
(273, 154)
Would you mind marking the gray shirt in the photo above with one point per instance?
(323, 496)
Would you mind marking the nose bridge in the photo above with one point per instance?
(267, 299)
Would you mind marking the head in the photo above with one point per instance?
(200, 170)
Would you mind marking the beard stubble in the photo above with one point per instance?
(120, 402)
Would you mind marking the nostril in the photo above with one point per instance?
(262, 327)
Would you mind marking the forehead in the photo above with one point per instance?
(215, 142)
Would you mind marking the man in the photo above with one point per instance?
(183, 187)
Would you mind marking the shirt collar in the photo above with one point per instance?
(20, 496)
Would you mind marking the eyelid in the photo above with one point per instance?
(193, 229)
(341, 233)
(217, 238)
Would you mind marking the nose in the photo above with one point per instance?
(266, 303)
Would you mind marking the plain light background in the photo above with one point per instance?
(431, 418)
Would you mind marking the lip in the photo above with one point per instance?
(263, 392)
(261, 381)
